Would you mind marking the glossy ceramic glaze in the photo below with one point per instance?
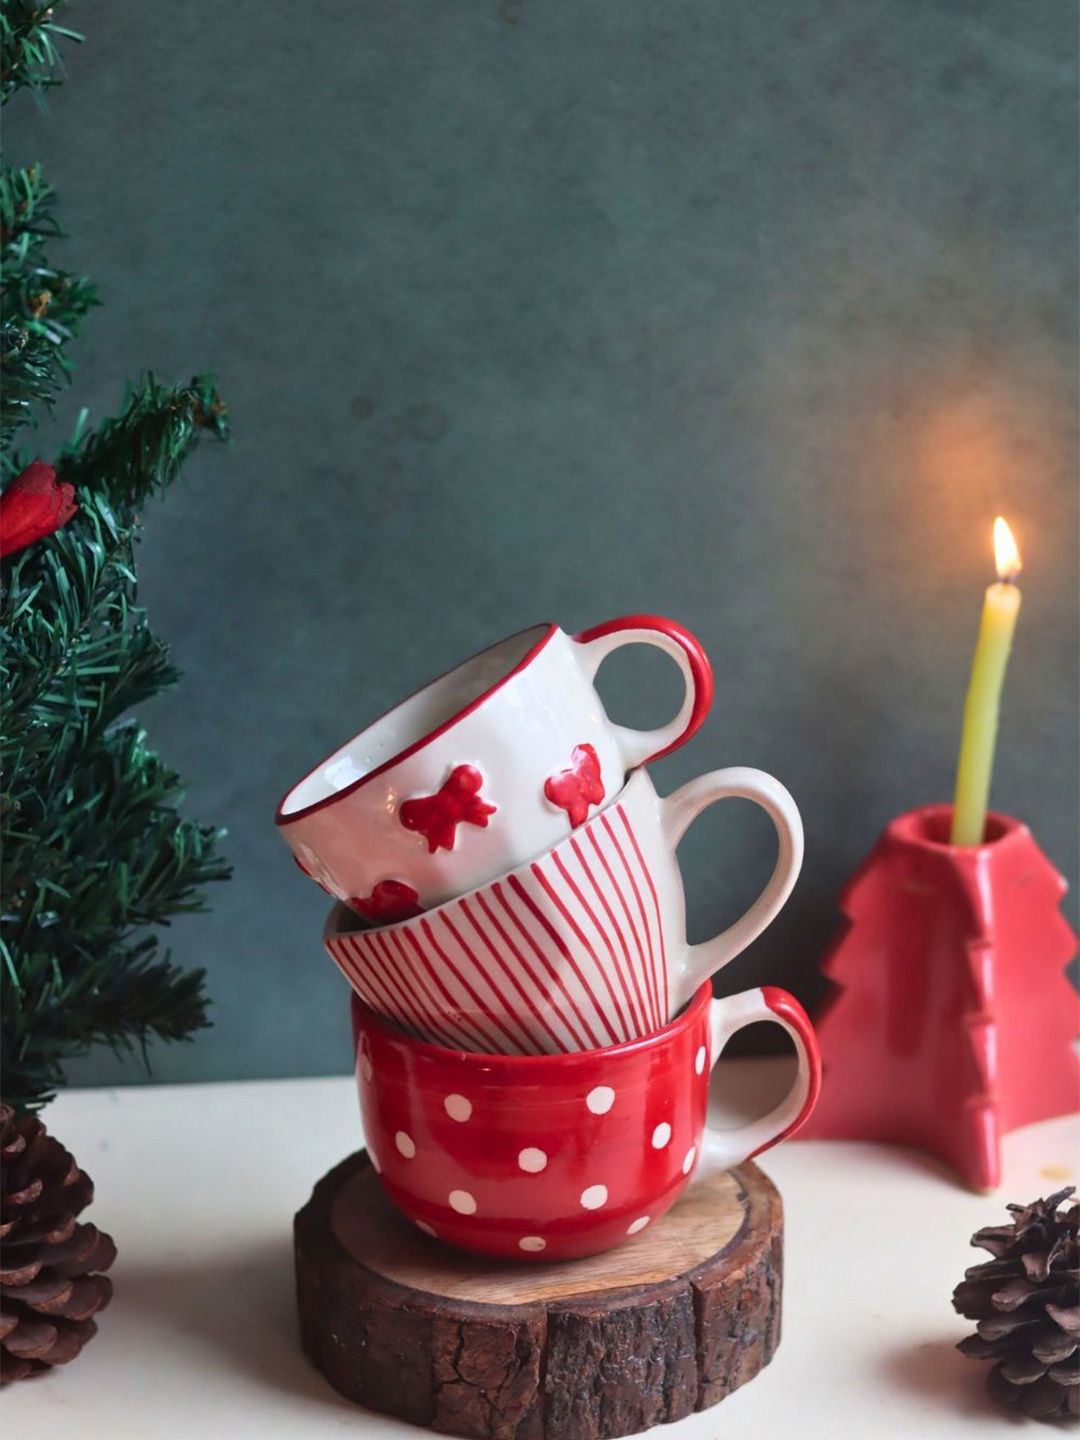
(952, 1021)
(554, 1156)
(491, 764)
(583, 947)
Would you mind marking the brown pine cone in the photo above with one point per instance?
(47, 1293)
(1027, 1304)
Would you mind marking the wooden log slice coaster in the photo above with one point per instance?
(609, 1345)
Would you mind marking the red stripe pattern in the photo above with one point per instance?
(566, 954)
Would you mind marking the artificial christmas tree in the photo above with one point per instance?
(95, 853)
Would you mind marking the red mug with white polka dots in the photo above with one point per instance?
(547, 1157)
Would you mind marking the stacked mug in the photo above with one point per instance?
(534, 1035)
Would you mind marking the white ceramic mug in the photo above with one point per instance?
(581, 948)
(491, 764)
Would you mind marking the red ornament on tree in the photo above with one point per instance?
(33, 506)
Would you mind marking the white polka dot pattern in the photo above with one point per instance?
(595, 1163)
(457, 1107)
(600, 1100)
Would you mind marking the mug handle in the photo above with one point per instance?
(720, 1149)
(680, 809)
(638, 746)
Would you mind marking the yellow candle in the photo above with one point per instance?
(1001, 607)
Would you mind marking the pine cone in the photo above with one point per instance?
(47, 1294)
(1027, 1304)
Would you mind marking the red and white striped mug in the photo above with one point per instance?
(581, 948)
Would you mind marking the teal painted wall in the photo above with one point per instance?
(753, 315)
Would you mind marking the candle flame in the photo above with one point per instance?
(1006, 555)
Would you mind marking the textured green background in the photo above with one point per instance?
(753, 315)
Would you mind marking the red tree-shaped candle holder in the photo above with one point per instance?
(952, 1022)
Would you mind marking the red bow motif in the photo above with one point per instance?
(437, 817)
(574, 790)
(33, 506)
(390, 900)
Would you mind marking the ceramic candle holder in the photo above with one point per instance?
(952, 1022)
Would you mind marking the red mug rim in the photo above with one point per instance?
(698, 1001)
(282, 819)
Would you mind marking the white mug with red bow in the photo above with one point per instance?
(495, 762)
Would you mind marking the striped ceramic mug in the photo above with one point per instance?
(583, 947)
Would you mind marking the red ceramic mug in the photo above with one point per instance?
(547, 1157)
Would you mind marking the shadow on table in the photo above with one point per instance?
(239, 1308)
(938, 1372)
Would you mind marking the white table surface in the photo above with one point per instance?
(198, 1185)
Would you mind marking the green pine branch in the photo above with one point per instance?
(78, 652)
(29, 377)
(38, 297)
(29, 53)
(41, 307)
(94, 849)
(124, 1000)
(141, 451)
